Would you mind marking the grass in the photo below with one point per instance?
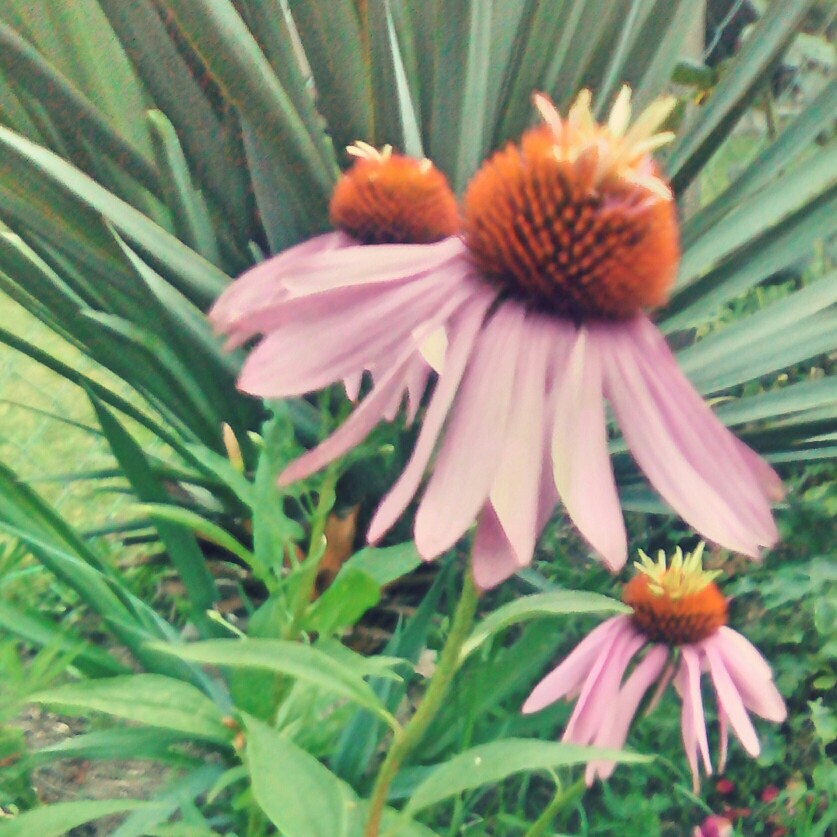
(40, 418)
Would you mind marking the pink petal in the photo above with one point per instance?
(415, 385)
(687, 725)
(567, 679)
(515, 492)
(492, 558)
(740, 478)
(673, 459)
(580, 457)
(377, 405)
(730, 699)
(602, 685)
(469, 454)
(723, 739)
(351, 383)
(371, 265)
(333, 341)
(464, 330)
(748, 658)
(263, 283)
(614, 733)
(746, 667)
(691, 667)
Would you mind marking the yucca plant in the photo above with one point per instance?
(151, 151)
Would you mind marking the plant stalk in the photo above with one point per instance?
(562, 798)
(406, 739)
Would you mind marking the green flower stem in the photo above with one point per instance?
(563, 798)
(406, 739)
(311, 564)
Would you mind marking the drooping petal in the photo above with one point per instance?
(673, 459)
(729, 699)
(384, 397)
(568, 678)
(464, 329)
(602, 685)
(736, 477)
(309, 352)
(691, 667)
(415, 384)
(493, 560)
(515, 491)
(580, 458)
(687, 724)
(746, 667)
(614, 732)
(381, 264)
(264, 283)
(723, 739)
(500, 553)
(469, 454)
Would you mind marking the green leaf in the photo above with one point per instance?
(116, 743)
(300, 796)
(59, 819)
(786, 332)
(234, 59)
(767, 252)
(331, 37)
(699, 137)
(177, 794)
(797, 397)
(205, 529)
(794, 139)
(176, 92)
(385, 564)
(189, 212)
(555, 603)
(197, 277)
(73, 112)
(459, 131)
(762, 211)
(33, 628)
(294, 659)
(180, 545)
(491, 763)
(358, 584)
(150, 699)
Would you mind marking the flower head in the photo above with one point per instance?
(522, 325)
(575, 218)
(388, 198)
(677, 631)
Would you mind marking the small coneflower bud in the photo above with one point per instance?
(675, 604)
(388, 198)
(575, 218)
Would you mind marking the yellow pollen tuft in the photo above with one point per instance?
(682, 577)
(676, 602)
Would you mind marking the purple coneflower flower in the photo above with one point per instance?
(531, 314)
(678, 626)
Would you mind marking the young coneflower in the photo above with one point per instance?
(679, 626)
(531, 314)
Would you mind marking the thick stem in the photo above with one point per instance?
(562, 798)
(407, 738)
